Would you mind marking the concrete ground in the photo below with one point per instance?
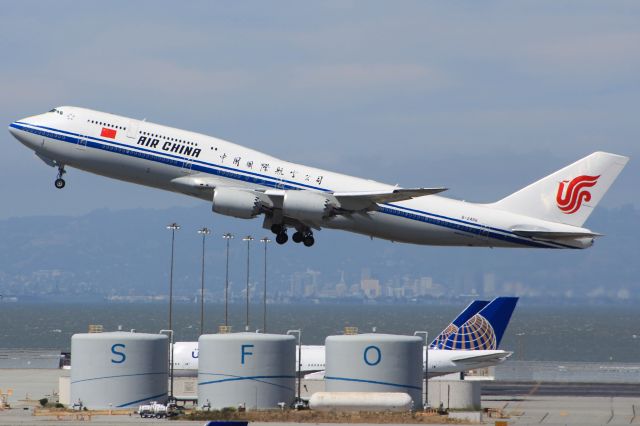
(566, 410)
(529, 409)
(30, 384)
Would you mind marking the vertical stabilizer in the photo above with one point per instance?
(485, 329)
(569, 195)
(468, 312)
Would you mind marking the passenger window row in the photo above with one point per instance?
(102, 123)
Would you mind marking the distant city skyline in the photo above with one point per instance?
(58, 256)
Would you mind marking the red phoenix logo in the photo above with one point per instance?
(571, 196)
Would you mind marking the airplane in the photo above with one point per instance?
(469, 342)
(244, 183)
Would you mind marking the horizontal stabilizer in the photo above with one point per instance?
(470, 358)
(552, 234)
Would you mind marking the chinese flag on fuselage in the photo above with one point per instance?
(108, 133)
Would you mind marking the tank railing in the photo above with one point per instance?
(425, 403)
(299, 333)
(170, 335)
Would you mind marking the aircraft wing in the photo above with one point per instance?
(345, 202)
(470, 358)
(368, 199)
(317, 375)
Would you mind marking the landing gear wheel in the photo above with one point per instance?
(282, 238)
(59, 183)
(297, 237)
(276, 228)
(308, 240)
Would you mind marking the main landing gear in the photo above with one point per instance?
(281, 233)
(305, 236)
(59, 183)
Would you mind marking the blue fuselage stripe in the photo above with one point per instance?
(268, 181)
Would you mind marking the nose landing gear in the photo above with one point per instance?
(59, 182)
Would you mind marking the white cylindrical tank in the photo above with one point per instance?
(374, 363)
(249, 369)
(361, 401)
(119, 369)
(455, 394)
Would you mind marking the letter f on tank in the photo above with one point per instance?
(244, 352)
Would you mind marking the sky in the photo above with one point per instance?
(480, 97)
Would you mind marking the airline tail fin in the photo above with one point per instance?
(483, 330)
(468, 312)
(569, 195)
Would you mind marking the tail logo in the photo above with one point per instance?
(571, 194)
(475, 334)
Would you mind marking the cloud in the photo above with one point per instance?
(604, 55)
(368, 77)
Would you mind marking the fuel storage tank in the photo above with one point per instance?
(375, 363)
(253, 370)
(118, 369)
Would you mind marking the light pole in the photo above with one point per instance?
(173, 227)
(266, 241)
(227, 237)
(204, 231)
(426, 366)
(248, 239)
(299, 333)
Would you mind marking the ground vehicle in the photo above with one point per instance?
(157, 410)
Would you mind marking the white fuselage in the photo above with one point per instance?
(155, 155)
(313, 359)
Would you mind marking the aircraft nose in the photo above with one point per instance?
(13, 129)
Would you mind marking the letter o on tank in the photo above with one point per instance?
(372, 355)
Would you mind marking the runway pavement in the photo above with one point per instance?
(561, 389)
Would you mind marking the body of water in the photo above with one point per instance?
(536, 333)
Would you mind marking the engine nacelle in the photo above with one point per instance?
(306, 206)
(236, 203)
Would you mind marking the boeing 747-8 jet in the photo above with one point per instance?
(245, 183)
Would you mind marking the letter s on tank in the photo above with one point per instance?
(120, 357)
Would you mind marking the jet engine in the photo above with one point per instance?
(236, 203)
(306, 206)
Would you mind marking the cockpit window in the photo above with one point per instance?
(56, 110)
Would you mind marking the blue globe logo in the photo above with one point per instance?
(475, 334)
